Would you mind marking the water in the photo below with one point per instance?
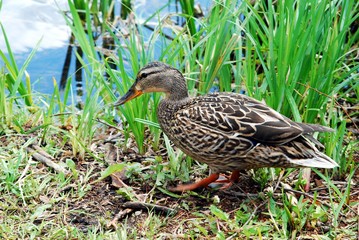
(29, 22)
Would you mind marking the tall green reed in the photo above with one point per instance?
(101, 11)
(211, 55)
(188, 12)
(132, 55)
(300, 45)
(221, 41)
(129, 58)
(4, 115)
(14, 76)
(15, 87)
(84, 122)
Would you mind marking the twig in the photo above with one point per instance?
(163, 34)
(97, 119)
(24, 172)
(254, 212)
(109, 125)
(46, 160)
(112, 137)
(117, 217)
(41, 151)
(279, 179)
(149, 207)
(239, 194)
(68, 187)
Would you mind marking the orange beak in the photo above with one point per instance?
(131, 94)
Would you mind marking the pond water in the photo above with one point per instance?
(40, 22)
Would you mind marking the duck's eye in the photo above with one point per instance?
(143, 75)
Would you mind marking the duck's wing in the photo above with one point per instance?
(242, 116)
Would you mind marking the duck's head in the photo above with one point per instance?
(157, 77)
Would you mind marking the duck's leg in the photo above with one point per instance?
(200, 184)
(233, 179)
(234, 176)
(306, 176)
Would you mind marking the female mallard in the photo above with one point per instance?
(227, 131)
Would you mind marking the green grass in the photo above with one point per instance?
(298, 56)
(14, 75)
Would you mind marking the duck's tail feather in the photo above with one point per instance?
(314, 141)
(311, 156)
(316, 162)
(310, 128)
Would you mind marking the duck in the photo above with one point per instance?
(229, 132)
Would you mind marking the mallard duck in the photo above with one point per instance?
(227, 131)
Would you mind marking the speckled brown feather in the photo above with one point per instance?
(230, 131)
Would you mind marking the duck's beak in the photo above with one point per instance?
(131, 94)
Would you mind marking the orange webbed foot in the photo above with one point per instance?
(227, 182)
(192, 186)
(213, 178)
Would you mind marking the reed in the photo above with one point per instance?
(14, 75)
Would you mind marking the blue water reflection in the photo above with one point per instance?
(28, 23)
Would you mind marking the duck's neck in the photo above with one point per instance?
(177, 95)
(171, 103)
(167, 109)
